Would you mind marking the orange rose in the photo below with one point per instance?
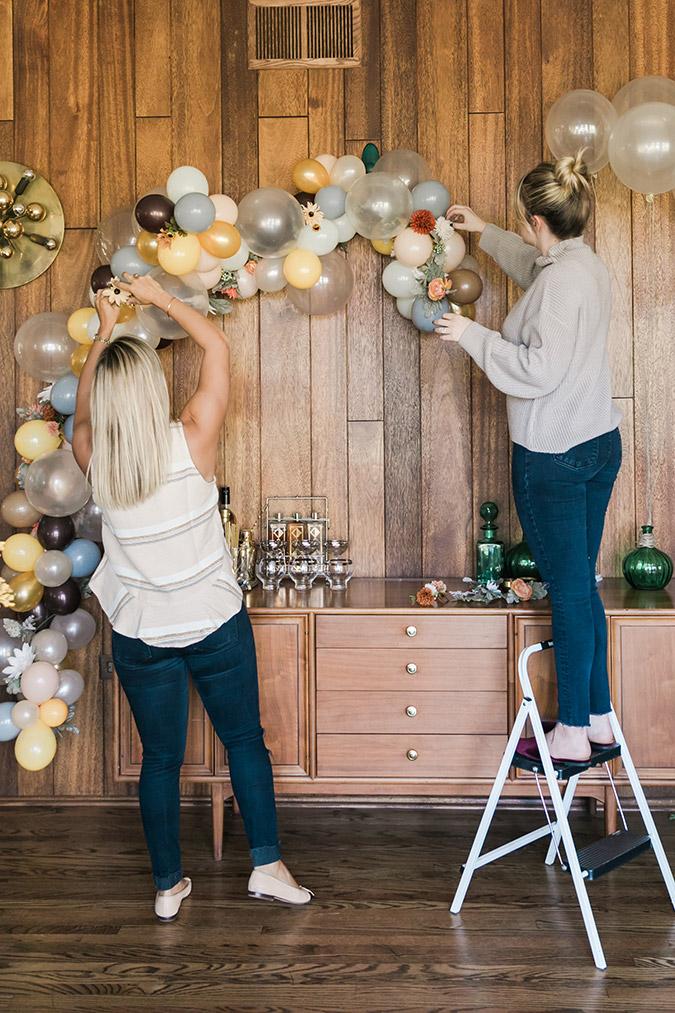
(425, 597)
(251, 266)
(436, 289)
(521, 588)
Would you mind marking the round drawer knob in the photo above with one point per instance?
(412, 754)
(411, 668)
(411, 711)
(411, 631)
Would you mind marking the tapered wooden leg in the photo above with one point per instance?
(610, 811)
(217, 815)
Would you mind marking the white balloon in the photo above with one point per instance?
(206, 262)
(346, 230)
(400, 280)
(94, 323)
(269, 274)
(246, 284)
(404, 306)
(320, 241)
(186, 179)
(237, 259)
(211, 278)
(327, 161)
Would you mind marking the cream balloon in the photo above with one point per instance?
(52, 569)
(210, 278)
(346, 171)
(246, 284)
(642, 148)
(404, 306)
(237, 260)
(49, 645)
(226, 209)
(412, 249)
(400, 281)
(269, 274)
(39, 681)
(455, 251)
(327, 161)
(206, 262)
(25, 713)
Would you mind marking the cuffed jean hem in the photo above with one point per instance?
(166, 882)
(265, 856)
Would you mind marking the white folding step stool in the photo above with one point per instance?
(589, 862)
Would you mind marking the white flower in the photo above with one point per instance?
(12, 627)
(46, 394)
(444, 229)
(493, 587)
(433, 589)
(23, 657)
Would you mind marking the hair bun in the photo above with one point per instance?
(571, 172)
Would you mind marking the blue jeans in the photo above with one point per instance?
(155, 680)
(561, 501)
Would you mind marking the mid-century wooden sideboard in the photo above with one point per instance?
(364, 695)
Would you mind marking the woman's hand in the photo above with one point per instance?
(451, 326)
(108, 313)
(464, 218)
(145, 290)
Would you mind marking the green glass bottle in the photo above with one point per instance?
(489, 549)
(646, 567)
(519, 562)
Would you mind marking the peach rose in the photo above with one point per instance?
(425, 597)
(251, 266)
(521, 588)
(436, 289)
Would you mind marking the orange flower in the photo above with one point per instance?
(422, 222)
(425, 597)
(231, 293)
(436, 289)
(521, 588)
(250, 266)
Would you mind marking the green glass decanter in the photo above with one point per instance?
(646, 567)
(489, 550)
(519, 562)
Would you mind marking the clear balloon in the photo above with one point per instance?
(7, 643)
(653, 88)
(43, 347)
(78, 628)
(21, 552)
(18, 512)
(114, 232)
(226, 209)
(71, 686)
(128, 260)
(180, 256)
(331, 200)
(431, 195)
(194, 212)
(8, 728)
(52, 569)
(330, 293)
(64, 394)
(346, 171)
(49, 645)
(270, 221)
(55, 485)
(400, 281)
(581, 119)
(412, 249)
(379, 205)
(35, 747)
(269, 274)
(410, 167)
(88, 522)
(319, 240)
(188, 288)
(642, 148)
(421, 307)
(25, 713)
(186, 179)
(39, 681)
(136, 329)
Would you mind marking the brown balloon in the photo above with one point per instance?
(467, 310)
(17, 511)
(101, 277)
(153, 212)
(466, 286)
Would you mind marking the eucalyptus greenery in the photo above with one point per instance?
(484, 594)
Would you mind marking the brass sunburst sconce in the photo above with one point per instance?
(31, 224)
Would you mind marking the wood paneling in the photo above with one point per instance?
(282, 92)
(116, 104)
(281, 143)
(152, 53)
(362, 84)
(485, 23)
(366, 498)
(7, 63)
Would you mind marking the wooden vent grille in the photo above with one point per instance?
(310, 34)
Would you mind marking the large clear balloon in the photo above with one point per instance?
(43, 347)
(379, 205)
(642, 148)
(35, 747)
(410, 167)
(49, 645)
(52, 569)
(8, 729)
(581, 119)
(269, 274)
(55, 485)
(88, 521)
(18, 512)
(653, 88)
(188, 288)
(431, 195)
(330, 293)
(136, 329)
(270, 221)
(78, 628)
(114, 232)
(71, 686)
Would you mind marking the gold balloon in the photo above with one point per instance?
(302, 268)
(310, 175)
(221, 240)
(12, 229)
(77, 325)
(126, 313)
(467, 310)
(78, 358)
(384, 246)
(27, 591)
(147, 246)
(34, 747)
(53, 712)
(68, 662)
(35, 212)
(21, 552)
(18, 512)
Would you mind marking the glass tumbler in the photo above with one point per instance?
(303, 571)
(270, 571)
(339, 573)
(336, 547)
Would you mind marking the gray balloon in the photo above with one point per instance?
(88, 521)
(71, 685)
(128, 260)
(49, 645)
(469, 264)
(194, 212)
(78, 628)
(331, 200)
(270, 221)
(431, 195)
(52, 569)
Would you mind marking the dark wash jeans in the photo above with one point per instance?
(561, 501)
(155, 680)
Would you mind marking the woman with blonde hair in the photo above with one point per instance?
(167, 585)
(550, 359)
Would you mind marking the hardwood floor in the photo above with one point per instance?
(78, 932)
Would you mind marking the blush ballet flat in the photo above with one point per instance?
(262, 886)
(167, 905)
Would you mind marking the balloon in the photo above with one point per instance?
(64, 394)
(404, 306)
(68, 424)
(303, 198)
(269, 274)
(188, 288)
(246, 284)
(25, 713)
(137, 329)
(270, 221)
(186, 179)
(180, 256)
(128, 260)
(644, 89)
(310, 175)
(379, 205)
(17, 511)
(21, 552)
(410, 167)
(642, 148)
(419, 310)
(221, 240)
(400, 280)
(153, 211)
(55, 485)
(38, 614)
(113, 233)
(7, 643)
(64, 599)
(87, 522)
(455, 251)
(466, 287)
(94, 326)
(101, 277)
(346, 230)
(43, 347)
(327, 161)
(71, 686)
(53, 712)
(7, 574)
(319, 240)
(78, 628)
(431, 195)
(39, 681)
(346, 171)
(210, 278)
(226, 209)
(194, 212)
(330, 293)
(331, 200)
(207, 262)
(8, 728)
(383, 246)
(78, 359)
(49, 645)
(238, 260)
(581, 119)
(84, 555)
(147, 245)
(35, 746)
(412, 249)
(33, 439)
(470, 263)
(55, 532)
(302, 268)
(77, 325)
(467, 310)
(52, 569)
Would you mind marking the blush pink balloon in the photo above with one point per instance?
(207, 262)
(455, 251)
(211, 278)
(39, 682)
(226, 209)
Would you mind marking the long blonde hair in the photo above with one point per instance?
(559, 192)
(130, 425)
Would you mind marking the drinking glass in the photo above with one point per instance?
(270, 571)
(336, 547)
(339, 573)
(303, 571)
(304, 547)
(271, 547)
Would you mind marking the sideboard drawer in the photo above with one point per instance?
(419, 629)
(472, 713)
(437, 756)
(420, 668)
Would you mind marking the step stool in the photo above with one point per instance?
(590, 862)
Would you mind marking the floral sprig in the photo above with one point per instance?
(38, 410)
(24, 630)
(518, 590)
(168, 231)
(67, 725)
(17, 664)
(434, 592)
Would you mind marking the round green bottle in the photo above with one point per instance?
(646, 567)
(519, 562)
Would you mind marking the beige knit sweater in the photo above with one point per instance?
(551, 357)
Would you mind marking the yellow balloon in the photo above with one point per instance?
(34, 747)
(27, 591)
(302, 268)
(384, 246)
(21, 552)
(467, 310)
(33, 439)
(77, 324)
(221, 240)
(126, 313)
(310, 175)
(147, 247)
(181, 255)
(53, 712)
(78, 359)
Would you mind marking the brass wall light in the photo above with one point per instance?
(31, 224)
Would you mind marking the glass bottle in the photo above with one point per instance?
(245, 568)
(316, 532)
(489, 550)
(277, 529)
(519, 562)
(296, 531)
(646, 567)
(229, 519)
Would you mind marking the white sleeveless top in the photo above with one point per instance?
(166, 577)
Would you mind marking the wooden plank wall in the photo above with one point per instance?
(401, 432)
